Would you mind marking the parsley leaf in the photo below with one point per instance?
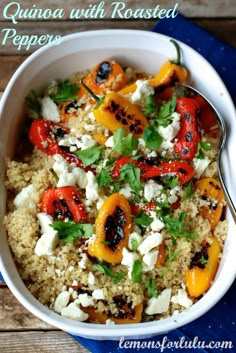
(171, 182)
(103, 268)
(124, 144)
(150, 106)
(172, 255)
(164, 208)
(66, 91)
(165, 112)
(90, 155)
(68, 231)
(189, 191)
(152, 138)
(136, 273)
(150, 285)
(143, 219)
(176, 228)
(134, 244)
(104, 178)
(202, 146)
(33, 102)
(131, 175)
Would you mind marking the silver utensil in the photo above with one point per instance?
(219, 119)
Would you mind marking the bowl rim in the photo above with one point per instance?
(97, 331)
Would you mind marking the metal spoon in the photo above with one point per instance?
(190, 91)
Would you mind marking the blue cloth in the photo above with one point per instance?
(219, 324)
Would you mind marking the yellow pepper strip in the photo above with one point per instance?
(99, 138)
(210, 190)
(171, 72)
(112, 227)
(116, 111)
(198, 280)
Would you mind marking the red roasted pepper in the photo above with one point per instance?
(63, 203)
(188, 137)
(184, 171)
(207, 118)
(44, 134)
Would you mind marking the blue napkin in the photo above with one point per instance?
(218, 326)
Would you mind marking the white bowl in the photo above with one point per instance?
(146, 51)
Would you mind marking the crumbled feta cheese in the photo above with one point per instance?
(24, 196)
(91, 116)
(172, 198)
(46, 243)
(45, 222)
(150, 259)
(157, 225)
(110, 142)
(75, 282)
(150, 242)
(182, 299)
(89, 127)
(143, 90)
(60, 164)
(136, 237)
(200, 166)
(152, 190)
(110, 322)
(61, 301)
(80, 177)
(98, 294)
(128, 259)
(85, 300)
(152, 154)
(50, 110)
(83, 142)
(126, 191)
(83, 262)
(91, 187)
(91, 279)
(169, 133)
(160, 304)
(72, 311)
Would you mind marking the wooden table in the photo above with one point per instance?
(20, 331)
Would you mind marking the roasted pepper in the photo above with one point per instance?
(171, 73)
(186, 144)
(210, 190)
(112, 228)
(207, 117)
(63, 203)
(115, 111)
(68, 110)
(203, 268)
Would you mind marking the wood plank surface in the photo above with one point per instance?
(39, 342)
(193, 8)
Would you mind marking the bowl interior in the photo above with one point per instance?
(146, 51)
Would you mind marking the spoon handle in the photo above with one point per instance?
(229, 201)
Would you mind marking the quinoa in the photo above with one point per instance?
(113, 289)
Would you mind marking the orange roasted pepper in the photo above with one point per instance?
(210, 189)
(116, 111)
(68, 110)
(198, 279)
(171, 72)
(161, 255)
(108, 75)
(99, 138)
(112, 228)
(101, 317)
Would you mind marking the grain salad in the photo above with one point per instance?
(115, 213)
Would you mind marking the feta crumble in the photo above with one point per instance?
(160, 304)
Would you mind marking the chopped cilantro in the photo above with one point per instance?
(33, 102)
(150, 106)
(189, 191)
(150, 285)
(202, 146)
(124, 144)
(90, 155)
(68, 231)
(172, 255)
(152, 137)
(136, 273)
(54, 174)
(103, 268)
(66, 91)
(203, 260)
(104, 178)
(163, 208)
(131, 175)
(171, 182)
(177, 229)
(134, 244)
(143, 219)
(165, 112)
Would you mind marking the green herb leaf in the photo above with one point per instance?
(205, 146)
(203, 260)
(172, 182)
(104, 178)
(69, 231)
(177, 229)
(131, 175)
(33, 103)
(134, 244)
(163, 208)
(66, 91)
(165, 112)
(143, 219)
(150, 106)
(103, 268)
(189, 191)
(90, 155)
(172, 255)
(136, 273)
(150, 285)
(124, 144)
(202, 146)
(152, 138)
